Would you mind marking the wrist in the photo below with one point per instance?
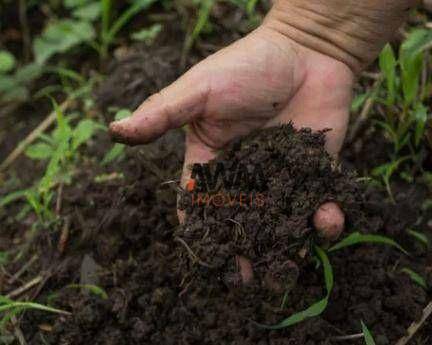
(350, 31)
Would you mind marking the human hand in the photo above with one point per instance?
(267, 78)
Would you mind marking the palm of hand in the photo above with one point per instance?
(261, 80)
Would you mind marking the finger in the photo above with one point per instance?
(244, 267)
(329, 221)
(196, 152)
(172, 107)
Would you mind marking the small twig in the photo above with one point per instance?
(23, 269)
(17, 330)
(191, 253)
(48, 121)
(59, 199)
(371, 75)
(412, 330)
(25, 287)
(347, 337)
(64, 236)
(25, 29)
(367, 107)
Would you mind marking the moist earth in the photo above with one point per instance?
(123, 236)
(157, 294)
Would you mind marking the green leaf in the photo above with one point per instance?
(411, 71)
(75, 3)
(83, 132)
(250, 7)
(4, 258)
(4, 300)
(411, 61)
(421, 117)
(388, 63)
(317, 308)
(60, 36)
(62, 136)
(39, 151)
(358, 238)
(415, 277)
(417, 41)
(16, 94)
(91, 11)
(358, 101)
(7, 83)
(7, 61)
(115, 153)
(147, 35)
(122, 114)
(367, 335)
(28, 73)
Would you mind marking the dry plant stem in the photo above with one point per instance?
(25, 29)
(191, 253)
(48, 121)
(347, 337)
(64, 236)
(363, 115)
(25, 287)
(59, 198)
(23, 269)
(412, 330)
(18, 333)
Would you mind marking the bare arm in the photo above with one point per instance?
(351, 31)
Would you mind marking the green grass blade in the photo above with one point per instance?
(127, 15)
(203, 17)
(317, 308)
(4, 300)
(419, 237)
(94, 289)
(415, 277)
(106, 6)
(358, 238)
(31, 305)
(367, 335)
(11, 197)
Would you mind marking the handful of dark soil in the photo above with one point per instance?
(250, 212)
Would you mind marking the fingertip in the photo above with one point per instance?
(127, 132)
(245, 269)
(329, 221)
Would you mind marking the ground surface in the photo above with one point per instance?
(119, 233)
(127, 226)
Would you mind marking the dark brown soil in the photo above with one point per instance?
(123, 235)
(257, 200)
(128, 227)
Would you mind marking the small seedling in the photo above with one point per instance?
(403, 96)
(60, 149)
(319, 307)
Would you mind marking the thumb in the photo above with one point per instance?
(173, 107)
